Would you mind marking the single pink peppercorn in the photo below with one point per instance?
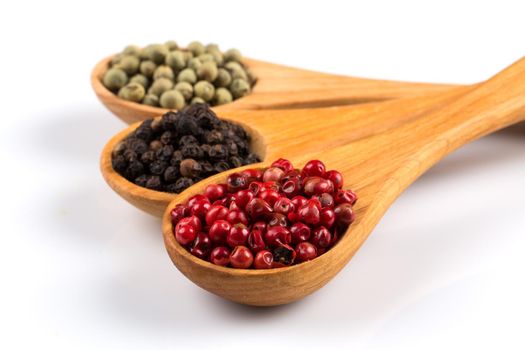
(300, 232)
(180, 211)
(238, 235)
(215, 192)
(216, 212)
(336, 177)
(263, 260)
(241, 257)
(305, 251)
(220, 256)
(255, 240)
(201, 246)
(321, 237)
(219, 231)
(283, 164)
(313, 168)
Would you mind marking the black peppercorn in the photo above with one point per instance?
(232, 148)
(134, 169)
(187, 140)
(169, 120)
(218, 152)
(221, 166)
(130, 155)
(142, 180)
(190, 168)
(172, 152)
(213, 136)
(192, 151)
(144, 132)
(148, 157)
(139, 146)
(119, 163)
(167, 137)
(165, 153)
(207, 168)
(171, 174)
(154, 183)
(155, 145)
(182, 184)
(235, 162)
(158, 167)
(186, 125)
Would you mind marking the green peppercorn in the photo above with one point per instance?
(129, 64)
(163, 72)
(217, 56)
(194, 63)
(239, 88)
(151, 100)
(141, 79)
(132, 92)
(132, 50)
(147, 68)
(204, 90)
(205, 57)
(115, 59)
(185, 88)
(222, 96)
(208, 71)
(115, 78)
(176, 60)
(157, 53)
(171, 45)
(224, 78)
(239, 74)
(196, 48)
(212, 47)
(188, 55)
(160, 85)
(233, 66)
(187, 75)
(197, 100)
(172, 99)
(232, 55)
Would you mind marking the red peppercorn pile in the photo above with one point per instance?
(266, 218)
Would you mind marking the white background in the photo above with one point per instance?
(82, 269)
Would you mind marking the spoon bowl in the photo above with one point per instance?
(378, 167)
(278, 87)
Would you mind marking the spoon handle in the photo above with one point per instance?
(396, 157)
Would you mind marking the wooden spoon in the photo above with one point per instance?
(379, 168)
(288, 133)
(278, 87)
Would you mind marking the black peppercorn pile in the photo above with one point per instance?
(174, 151)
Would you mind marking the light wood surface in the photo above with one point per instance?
(279, 87)
(379, 166)
(288, 133)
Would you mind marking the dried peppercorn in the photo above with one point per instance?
(178, 149)
(254, 215)
(168, 76)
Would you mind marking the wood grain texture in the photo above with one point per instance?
(279, 87)
(379, 167)
(288, 134)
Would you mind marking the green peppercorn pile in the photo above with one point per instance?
(170, 77)
(172, 152)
